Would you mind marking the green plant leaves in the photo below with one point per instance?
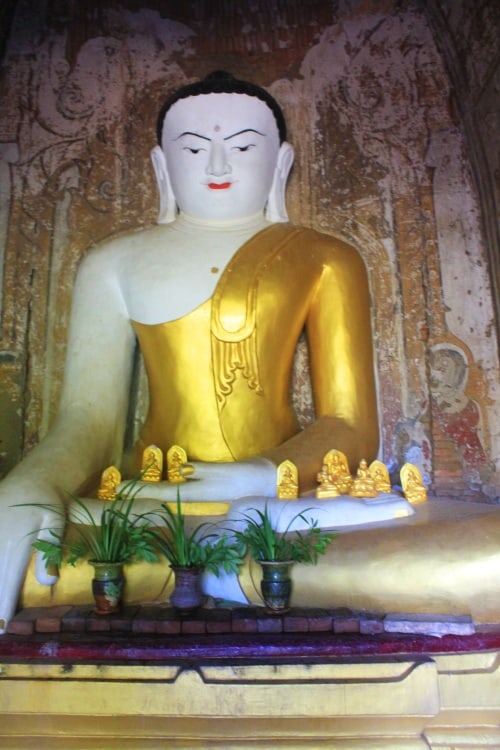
(200, 548)
(265, 543)
(120, 535)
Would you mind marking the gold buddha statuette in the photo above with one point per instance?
(110, 479)
(177, 466)
(152, 464)
(412, 484)
(327, 487)
(288, 481)
(335, 477)
(380, 474)
(364, 483)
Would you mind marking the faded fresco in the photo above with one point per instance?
(381, 160)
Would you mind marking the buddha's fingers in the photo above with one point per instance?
(21, 523)
(50, 520)
(228, 481)
(14, 558)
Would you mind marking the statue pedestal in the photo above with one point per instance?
(81, 690)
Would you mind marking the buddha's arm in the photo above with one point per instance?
(87, 432)
(96, 386)
(339, 335)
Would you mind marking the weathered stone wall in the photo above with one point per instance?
(467, 32)
(382, 159)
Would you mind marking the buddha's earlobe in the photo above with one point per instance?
(167, 199)
(276, 207)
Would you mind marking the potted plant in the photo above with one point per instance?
(276, 552)
(191, 552)
(118, 537)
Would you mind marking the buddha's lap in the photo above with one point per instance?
(442, 560)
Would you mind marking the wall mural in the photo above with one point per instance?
(380, 160)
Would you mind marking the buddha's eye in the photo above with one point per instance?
(193, 150)
(243, 148)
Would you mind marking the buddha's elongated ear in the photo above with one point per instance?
(167, 199)
(276, 207)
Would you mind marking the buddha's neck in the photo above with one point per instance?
(247, 225)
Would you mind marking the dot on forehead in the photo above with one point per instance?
(222, 114)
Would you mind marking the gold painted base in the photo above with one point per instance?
(449, 701)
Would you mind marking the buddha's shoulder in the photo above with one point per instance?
(127, 246)
(329, 247)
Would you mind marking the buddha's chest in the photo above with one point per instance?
(173, 276)
(264, 278)
(166, 289)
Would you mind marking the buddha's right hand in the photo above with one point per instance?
(223, 481)
(20, 525)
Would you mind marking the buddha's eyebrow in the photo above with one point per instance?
(196, 135)
(245, 130)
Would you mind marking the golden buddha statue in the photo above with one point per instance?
(287, 481)
(110, 480)
(177, 467)
(227, 266)
(327, 486)
(364, 483)
(334, 478)
(380, 474)
(152, 464)
(412, 484)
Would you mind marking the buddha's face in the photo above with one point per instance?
(221, 152)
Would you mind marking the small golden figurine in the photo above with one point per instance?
(412, 484)
(380, 474)
(152, 464)
(339, 470)
(364, 484)
(327, 487)
(110, 479)
(177, 466)
(288, 481)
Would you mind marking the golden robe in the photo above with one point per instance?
(219, 377)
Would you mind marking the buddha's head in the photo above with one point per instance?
(223, 152)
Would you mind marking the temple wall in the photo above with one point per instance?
(382, 132)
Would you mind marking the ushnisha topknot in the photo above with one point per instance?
(221, 82)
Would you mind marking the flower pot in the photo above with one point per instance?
(187, 595)
(107, 586)
(276, 586)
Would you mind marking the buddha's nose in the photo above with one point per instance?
(218, 163)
